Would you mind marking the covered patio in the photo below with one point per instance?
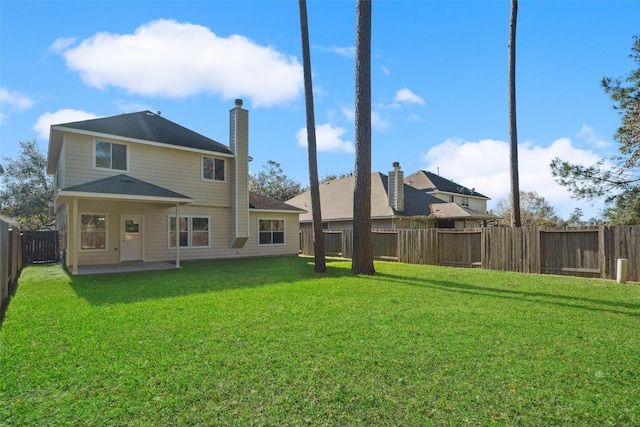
(124, 267)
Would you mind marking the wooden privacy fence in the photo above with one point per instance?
(40, 246)
(586, 252)
(10, 260)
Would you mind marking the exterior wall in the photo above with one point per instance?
(173, 169)
(156, 233)
(475, 203)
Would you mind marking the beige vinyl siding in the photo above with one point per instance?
(173, 169)
(156, 233)
(291, 235)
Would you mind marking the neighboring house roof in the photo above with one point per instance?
(260, 202)
(337, 200)
(431, 182)
(124, 187)
(143, 126)
(455, 211)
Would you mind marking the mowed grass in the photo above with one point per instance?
(270, 342)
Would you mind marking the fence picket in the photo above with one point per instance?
(581, 251)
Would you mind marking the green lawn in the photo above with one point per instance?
(270, 342)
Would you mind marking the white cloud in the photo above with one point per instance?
(377, 121)
(15, 100)
(348, 51)
(385, 70)
(406, 96)
(45, 121)
(166, 58)
(62, 44)
(589, 135)
(328, 138)
(484, 165)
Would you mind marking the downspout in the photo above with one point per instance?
(74, 241)
(177, 235)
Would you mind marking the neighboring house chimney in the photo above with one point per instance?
(239, 145)
(396, 188)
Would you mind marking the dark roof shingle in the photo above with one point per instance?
(258, 201)
(124, 185)
(147, 126)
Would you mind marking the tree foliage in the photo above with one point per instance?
(535, 211)
(618, 178)
(27, 190)
(333, 176)
(272, 182)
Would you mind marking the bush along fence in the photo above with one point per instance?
(571, 251)
(10, 260)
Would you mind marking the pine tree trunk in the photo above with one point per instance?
(362, 259)
(513, 130)
(318, 234)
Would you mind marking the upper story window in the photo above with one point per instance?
(465, 202)
(212, 169)
(109, 155)
(451, 198)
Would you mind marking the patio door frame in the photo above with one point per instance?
(123, 230)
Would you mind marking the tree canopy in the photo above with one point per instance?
(535, 211)
(27, 190)
(272, 182)
(618, 183)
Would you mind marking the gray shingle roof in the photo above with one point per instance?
(258, 201)
(429, 181)
(337, 200)
(125, 185)
(148, 126)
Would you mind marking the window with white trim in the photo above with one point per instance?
(465, 202)
(271, 231)
(109, 155)
(193, 231)
(93, 231)
(451, 198)
(212, 169)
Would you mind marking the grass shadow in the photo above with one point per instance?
(596, 305)
(198, 277)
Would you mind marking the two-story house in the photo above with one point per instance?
(397, 203)
(138, 187)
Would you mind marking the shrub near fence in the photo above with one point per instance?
(586, 252)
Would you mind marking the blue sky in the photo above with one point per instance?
(439, 79)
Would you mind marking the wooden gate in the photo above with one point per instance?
(40, 247)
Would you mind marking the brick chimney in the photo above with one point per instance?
(396, 188)
(239, 145)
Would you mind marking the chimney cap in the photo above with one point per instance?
(396, 165)
(238, 102)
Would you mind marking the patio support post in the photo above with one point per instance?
(74, 241)
(177, 235)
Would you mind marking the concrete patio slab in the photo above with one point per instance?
(124, 267)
